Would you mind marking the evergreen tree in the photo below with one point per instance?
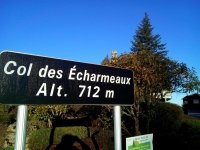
(145, 40)
(154, 72)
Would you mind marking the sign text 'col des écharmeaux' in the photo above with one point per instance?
(31, 79)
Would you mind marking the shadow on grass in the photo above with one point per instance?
(71, 142)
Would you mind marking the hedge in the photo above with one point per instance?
(171, 128)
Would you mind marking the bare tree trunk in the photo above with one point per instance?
(136, 120)
(132, 113)
(137, 126)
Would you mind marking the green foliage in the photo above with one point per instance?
(186, 138)
(167, 118)
(5, 115)
(6, 118)
(189, 121)
(145, 40)
(8, 148)
(39, 139)
(81, 132)
(182, 78)
(190, 131)
(106, 61)
(153, 71)
(171, 128)
(35, 125)
(47, 112)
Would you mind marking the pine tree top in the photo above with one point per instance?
(146, 40)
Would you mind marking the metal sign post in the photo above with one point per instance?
(20, 138)
(117, 128)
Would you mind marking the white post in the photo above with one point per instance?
(117, 128)
(20, 138)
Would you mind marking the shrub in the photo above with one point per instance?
(167, 119)
(4, 118)
(35, 125)
(172, 129)
(190, 131)
(5, 115)
(9, 148)
(190, 121)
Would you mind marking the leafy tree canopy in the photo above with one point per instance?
(154, 72)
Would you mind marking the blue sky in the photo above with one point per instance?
(89, 30)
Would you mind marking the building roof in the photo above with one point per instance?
(191, 97)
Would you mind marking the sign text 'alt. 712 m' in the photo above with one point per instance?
(31, 79)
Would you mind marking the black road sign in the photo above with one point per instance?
(30, 79)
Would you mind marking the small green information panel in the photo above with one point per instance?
(143, 142)
(31, 79)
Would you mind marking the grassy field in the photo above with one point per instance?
(80, 132)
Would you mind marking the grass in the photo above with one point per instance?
(8, 148)
(79, 131)
(194, 122)
(40, 139)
